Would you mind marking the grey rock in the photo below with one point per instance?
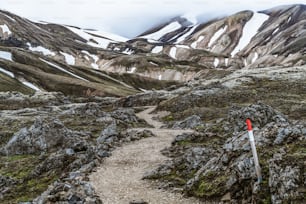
(70, 151)
(45, 135)
(196, 157)
(189, 123)
(137, 135)
(107, 135)
(245, 167)
(288, 133)
(138, 202)
(283, 181)
(125, 114)
(260, 115)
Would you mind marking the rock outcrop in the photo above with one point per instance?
(216, 164)
(58, 144)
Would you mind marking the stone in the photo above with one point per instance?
(45, 135)
(226, 197)
(189, 123)
(138, 202)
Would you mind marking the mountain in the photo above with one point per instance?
(40, 56)
(255, 39)
(73, 102)
(180, 49)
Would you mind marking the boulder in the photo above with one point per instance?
(45, 135)
(189, 123)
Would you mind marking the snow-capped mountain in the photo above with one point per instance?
(247, 38)
(181, 49)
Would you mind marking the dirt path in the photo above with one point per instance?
(118, 180)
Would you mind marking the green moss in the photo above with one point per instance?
(20, 168)
(168, 118)
(211, 185)
(9, 127)
(17, 167)
(30, 189)
(285, 96)
(175, 179)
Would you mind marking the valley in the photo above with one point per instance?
(92, 117)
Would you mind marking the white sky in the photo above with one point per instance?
(128, 17)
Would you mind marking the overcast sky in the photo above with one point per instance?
(128, 17)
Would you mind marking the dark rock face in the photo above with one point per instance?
(214, 165)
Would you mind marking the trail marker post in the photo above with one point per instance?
(252, 142)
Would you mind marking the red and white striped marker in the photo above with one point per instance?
(252, 142)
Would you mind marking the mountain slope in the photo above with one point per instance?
(179, 49)
(247, 38)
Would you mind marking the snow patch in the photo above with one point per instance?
(216, 62)
(69, 58)
(5, 29)
(62, 69)
(250, 30)
(277, 29)
(11, 74)
(30, 85)
(94, 65)
(255, 57)
(154, 63)
(44, 50)
(152, 41)
(194, 44)
(289, 19)
(86, 57)
(6, 55)
(8, 17)
(245, 62)
(91, 40)
(217, 35)
(128, 51)
(110, 36)
(167, 29)
(183, 37)
(132, 70)
(173, 52)
(94, 57)
(157, 49)
(183, 46)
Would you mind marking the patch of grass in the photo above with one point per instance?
(168, 118)
(286, 96)
(19, 168)
(9, 127)
(211, 185)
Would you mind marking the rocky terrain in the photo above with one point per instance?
(73, 101)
